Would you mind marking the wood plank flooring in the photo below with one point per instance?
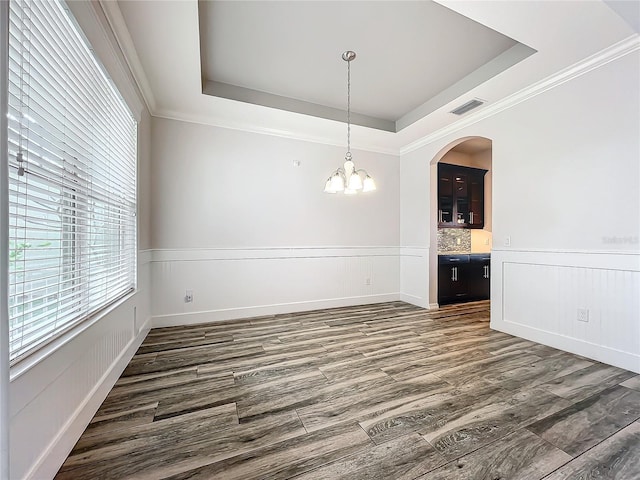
(386, 391)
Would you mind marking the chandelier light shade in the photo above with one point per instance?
(348, 179)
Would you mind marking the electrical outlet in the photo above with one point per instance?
(188, 297)
(458, 241)
(367, 281)
(507, 241)
(486, 241)
(583, 314)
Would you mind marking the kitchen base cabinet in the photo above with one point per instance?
(463, 278)
(479, 273)
(452, 284)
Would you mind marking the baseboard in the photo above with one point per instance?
(610, 356)
(58, 450)
(192, 318)
(414, 300)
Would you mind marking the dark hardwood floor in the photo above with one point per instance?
(386, 391)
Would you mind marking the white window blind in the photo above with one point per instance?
(72, 179)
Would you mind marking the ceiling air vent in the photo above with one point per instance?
(470, 105)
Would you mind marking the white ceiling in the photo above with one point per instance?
(407, 54)
(162, 43)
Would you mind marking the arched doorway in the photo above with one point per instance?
(449, 237)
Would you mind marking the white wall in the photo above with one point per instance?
(54, 393)
(483, 160)
(4, 245)
(415, 212)
(565, 190)
(235, 221)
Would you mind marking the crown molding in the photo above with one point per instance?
(125, 43)
(121, 33)
(251, 128)
(615, 51)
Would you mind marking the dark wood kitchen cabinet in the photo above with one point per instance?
(452, 279)
(463, 278)
(460, 196)
(476, 200)
(480, 276)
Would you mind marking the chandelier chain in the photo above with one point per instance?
(348, 179)
(349, 108)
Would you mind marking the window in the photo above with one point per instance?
(72, 179)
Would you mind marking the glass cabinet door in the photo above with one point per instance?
(460, 196)
(461, 188)
(445, 198)
(476, 201)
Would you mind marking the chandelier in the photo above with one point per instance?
(348, 179)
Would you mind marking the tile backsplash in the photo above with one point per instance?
(454, 240)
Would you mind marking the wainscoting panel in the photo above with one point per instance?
(237, 283)
(583, 302)
(414, 275)
(53, 400)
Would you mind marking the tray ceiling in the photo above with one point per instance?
(413, 57)
(278, 69)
